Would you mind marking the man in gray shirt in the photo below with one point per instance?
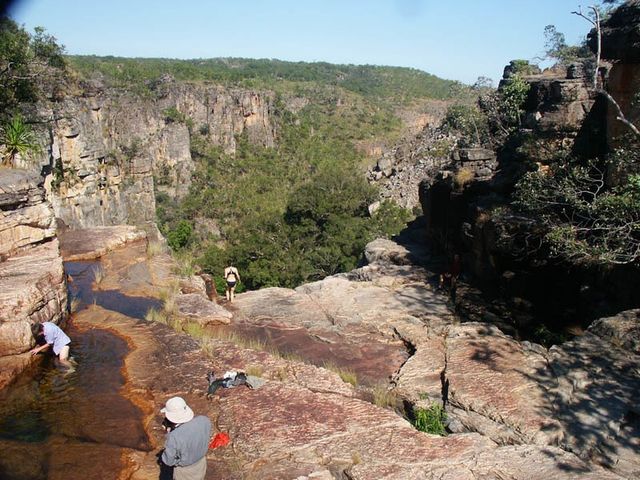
(187, 442)
(53, 337)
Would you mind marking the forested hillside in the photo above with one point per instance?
(297, 211)
(391, 85)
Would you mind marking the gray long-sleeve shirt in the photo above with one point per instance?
(188, 443)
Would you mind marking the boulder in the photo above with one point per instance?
(622, 330)
(196, 307)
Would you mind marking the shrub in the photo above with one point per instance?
(431, 419)
(469, 122)
(180, 236)
(463, 176)
(578, 218)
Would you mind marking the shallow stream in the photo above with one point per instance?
(56, 423)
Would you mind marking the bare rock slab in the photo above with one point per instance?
(196, 307)
(25, 218)
(501, 382)
(596, 399)
(91, 243)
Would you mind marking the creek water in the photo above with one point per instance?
(59, 423)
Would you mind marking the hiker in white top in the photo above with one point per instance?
(232, 277)
(53, 336)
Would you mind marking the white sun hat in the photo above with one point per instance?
(177, 411)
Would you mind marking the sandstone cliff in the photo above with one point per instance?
(32, 285)
(564, 115)
(108, 151)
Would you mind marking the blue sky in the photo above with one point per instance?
(458, 40)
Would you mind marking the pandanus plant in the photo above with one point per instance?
(17, 139)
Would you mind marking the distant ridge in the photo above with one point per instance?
(398, 84)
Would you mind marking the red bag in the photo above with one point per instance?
(220, 440)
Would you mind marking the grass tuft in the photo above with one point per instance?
(347, 375)
(155, 315)
(383, 396)
(154, 248)
(98, 274)
(74, 305)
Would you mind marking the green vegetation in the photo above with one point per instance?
(578, 217)
(469, 122)
(287, 214)
(17, 139)
(496, 114)
(430, 420)
(290, 214)
(556, 48)
(546, 337)
(28, 63)
(399, 85)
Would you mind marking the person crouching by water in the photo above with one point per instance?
(187, 442)
(232, 277)
(52, 335)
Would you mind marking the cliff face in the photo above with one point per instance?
(563, 114)
(107, 150)
(32, 286)
(621, 45)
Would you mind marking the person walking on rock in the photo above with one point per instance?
(187, 442)
(232, 277)
(53, 336)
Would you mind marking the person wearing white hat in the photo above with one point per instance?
(187, 442)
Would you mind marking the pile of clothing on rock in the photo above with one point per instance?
(232, 379)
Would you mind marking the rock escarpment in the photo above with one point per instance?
(110, 151)
(32, 284)
(502, 249)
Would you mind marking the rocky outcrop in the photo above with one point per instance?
(620, 36)
(621, 47)
(26, 219)
(109, 152)
(92, 243)
(306, 422)
(622, 330)
(196, 307)
(32, 285)
(399, 171)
